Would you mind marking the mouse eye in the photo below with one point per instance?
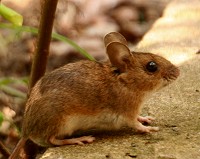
(151, 66)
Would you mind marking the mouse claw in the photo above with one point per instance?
(146, 129)
(84, 139)
(146, 119)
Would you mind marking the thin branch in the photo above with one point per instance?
(4, 151)
(43, 42)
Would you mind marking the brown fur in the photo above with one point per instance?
(88, 94)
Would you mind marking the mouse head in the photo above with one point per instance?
(138, 70)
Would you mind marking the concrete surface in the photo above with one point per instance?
(177, 108)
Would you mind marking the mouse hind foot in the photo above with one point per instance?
(80, 141)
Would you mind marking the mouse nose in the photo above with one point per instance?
(174, 71)
(171, 73)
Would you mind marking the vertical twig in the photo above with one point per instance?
(4, 151)
(43, 42)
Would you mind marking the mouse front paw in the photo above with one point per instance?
(145, 129)
(146, 119)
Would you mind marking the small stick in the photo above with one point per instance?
(43, 42)
(4, 151)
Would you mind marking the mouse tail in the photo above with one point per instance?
(17, 149)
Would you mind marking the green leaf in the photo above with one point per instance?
(5, 81)
(1, 118)
(8, 80)
(25, 80)
(10, 15)
(12, 91)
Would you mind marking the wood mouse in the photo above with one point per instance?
(94, 95)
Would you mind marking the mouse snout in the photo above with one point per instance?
(172, 73)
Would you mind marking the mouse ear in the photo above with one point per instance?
(118, 54)
(114, 37)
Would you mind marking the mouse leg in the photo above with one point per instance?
(79, 140)
(146, 119)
